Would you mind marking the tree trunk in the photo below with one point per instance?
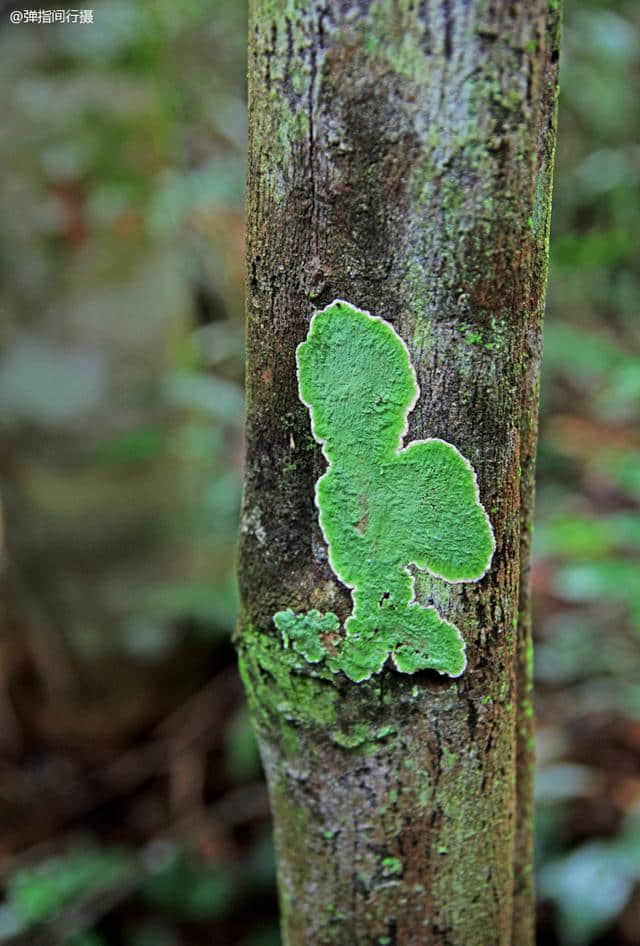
(400, 158)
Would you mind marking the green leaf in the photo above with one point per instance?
(35, 893)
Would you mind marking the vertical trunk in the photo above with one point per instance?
(400, 158)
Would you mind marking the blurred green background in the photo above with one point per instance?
(132, 807)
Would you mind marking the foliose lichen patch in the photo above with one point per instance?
(382, 506)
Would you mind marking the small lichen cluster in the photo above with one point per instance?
(382, 506)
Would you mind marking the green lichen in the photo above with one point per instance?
(392, 866)
(278, 684)
(382, 506)
(303, 632)
(282, 683)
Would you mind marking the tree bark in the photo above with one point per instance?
(400, 158)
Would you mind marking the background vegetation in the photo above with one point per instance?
(132, 809)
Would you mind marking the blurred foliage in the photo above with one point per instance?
(587, 541)
(190, 890)
(35, 894)
(121, 408)
(121, 361)
(593, 882)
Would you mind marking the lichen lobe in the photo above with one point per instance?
(382, 506)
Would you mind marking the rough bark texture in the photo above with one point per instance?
(400, 158)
